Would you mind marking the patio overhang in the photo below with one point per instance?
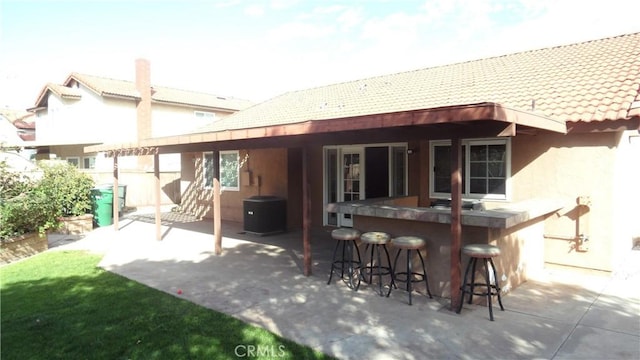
(493, 118)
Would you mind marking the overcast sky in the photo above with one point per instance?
(259, 49)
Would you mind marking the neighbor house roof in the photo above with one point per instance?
(591, 81)
(107, 87)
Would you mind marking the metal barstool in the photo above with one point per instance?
(485, 252)
(409, 243)
(376, 239)
(347, 237)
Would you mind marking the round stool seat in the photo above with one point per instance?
(408, 242)
(345, 234)
(375, 237)
(481, 250)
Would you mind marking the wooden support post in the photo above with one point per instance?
(456, 224)
(217, 216)
(306, 213)
(156, 174)
(116, 204)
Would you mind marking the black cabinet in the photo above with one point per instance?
(265, 215)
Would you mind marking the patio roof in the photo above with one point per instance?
(508, 121)
(594, 82)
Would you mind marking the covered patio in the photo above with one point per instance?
(306, 134)
(561, 315)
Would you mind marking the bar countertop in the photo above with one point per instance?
(503, 217)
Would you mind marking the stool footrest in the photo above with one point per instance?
(415, 277)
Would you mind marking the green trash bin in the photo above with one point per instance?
(122, 194)
(102, 206)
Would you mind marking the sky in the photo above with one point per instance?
(256, 50)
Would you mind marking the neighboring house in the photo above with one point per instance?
(16, 133)
(558, 123)
(87, 109)
(16, 128)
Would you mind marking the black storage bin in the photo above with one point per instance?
(265, 215)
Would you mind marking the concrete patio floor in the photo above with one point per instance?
(563, 314)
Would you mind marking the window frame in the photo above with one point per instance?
(74, 158)
(206, 184)
(237, 175)
(88, 158)
(204, 115)
(467, 143)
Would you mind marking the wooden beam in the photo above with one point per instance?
(116, 204)
(456, 223)
(217, 216)
(306, 213)
(156, 175)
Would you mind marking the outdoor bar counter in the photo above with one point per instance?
(517, 228)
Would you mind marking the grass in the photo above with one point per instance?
(60, 305)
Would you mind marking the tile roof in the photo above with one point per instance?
(113, 87)
(127, 89)
(591, 81)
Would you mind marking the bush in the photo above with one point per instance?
(68, 188)
(26, 213)
(12, 183)
(29, 206)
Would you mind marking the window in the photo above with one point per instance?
(205, 116)
(485, 170)
(208, 169)
(89, 162)
(74, 160)
(229, 170)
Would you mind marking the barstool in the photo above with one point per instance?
(376, 239)
(409, 277)
(347, 237)
(485, 252)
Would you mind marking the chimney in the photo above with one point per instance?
(143, 85)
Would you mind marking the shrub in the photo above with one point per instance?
(23, 209)
(67, 187)
(26, 213)
(12, 183)
(29, 206)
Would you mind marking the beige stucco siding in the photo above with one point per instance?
(565, 167)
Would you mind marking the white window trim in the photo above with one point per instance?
(89, 158)
(237, 153)
(465, 186)
(340, 149)
(204, 173)
(204, 115)
(76, 158)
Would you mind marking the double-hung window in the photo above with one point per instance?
(486, 167)
(229, 166)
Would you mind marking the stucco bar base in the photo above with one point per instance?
(521, 242)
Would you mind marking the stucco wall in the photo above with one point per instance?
(566, 167)
(169, 120)
(264, 173)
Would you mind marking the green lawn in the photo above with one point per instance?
(60, 305)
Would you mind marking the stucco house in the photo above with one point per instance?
(17, 128)
(87, 109)
(544, 142)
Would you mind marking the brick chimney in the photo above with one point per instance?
(143, 108)
(143, 85)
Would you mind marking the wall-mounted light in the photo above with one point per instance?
(412, 151)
